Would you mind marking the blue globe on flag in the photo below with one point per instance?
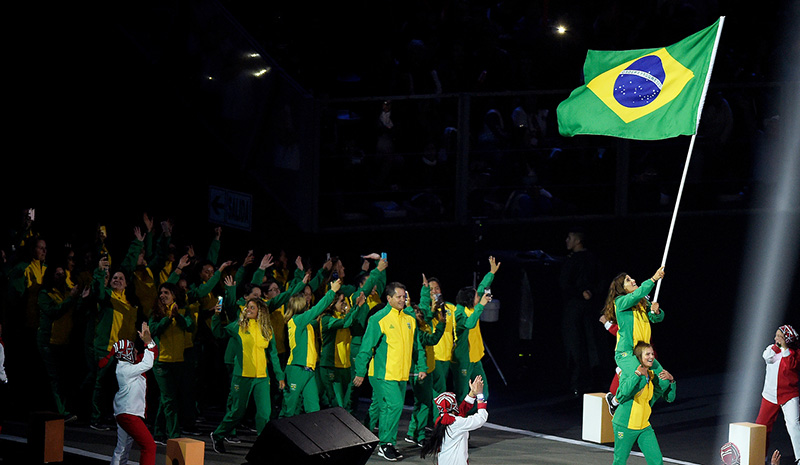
(640, 83)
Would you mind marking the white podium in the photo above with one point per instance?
(596, 419)
(751, 440)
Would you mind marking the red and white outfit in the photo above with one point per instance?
(781, 392)
(456, 437)
(129, 404)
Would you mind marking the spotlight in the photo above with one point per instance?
(262, 72)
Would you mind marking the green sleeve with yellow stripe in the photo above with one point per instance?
(314, 312)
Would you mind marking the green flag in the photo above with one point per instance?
(641, 94)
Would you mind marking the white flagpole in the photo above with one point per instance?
(689, 154)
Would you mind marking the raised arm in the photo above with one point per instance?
(487, 280)
(314, 312)
(128, 265)
(281, 299)
(54, 309)
(469, 322)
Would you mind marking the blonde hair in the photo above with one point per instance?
(262, 318)
(297, 304)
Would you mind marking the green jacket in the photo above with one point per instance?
(428, 337)
(253, 351)
(634, 323)
(56, 316)
(390, 342)
(636, 395)
(336, 330)
(302, 340)
(116, 316)
(467, 338)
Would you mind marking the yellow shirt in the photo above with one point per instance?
(443, 351)
(123, 325)
(475, 339)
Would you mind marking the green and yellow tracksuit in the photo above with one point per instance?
(631, 420)
(303, 356)
(56, 311)
(25, 281)
(335, 362)
(336, 355)
(443, 351)
(115, 319)
(468, 345)
(634, 320)
(250, 375)
(276, 313)
(169, 370)
(386, 355)
(359, 325)
(422, 416)
(144, 284)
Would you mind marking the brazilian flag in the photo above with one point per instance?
(642, 94)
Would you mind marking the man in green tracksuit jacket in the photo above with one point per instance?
(389, 341)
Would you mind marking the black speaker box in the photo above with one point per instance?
(328, 437)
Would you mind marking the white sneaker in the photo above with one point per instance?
(388, 452)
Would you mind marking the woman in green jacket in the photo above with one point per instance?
(468, 347)
(633, 312)
(303, 353)
(58, 302)
(117, 315)
(334, 364)
(254, 341)
(169, 324)
(637, 393)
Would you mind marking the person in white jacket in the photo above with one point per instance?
(129, 402)
(450, 438)
(781, 390)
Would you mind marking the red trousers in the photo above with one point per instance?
(136, 429)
